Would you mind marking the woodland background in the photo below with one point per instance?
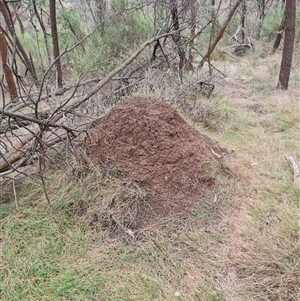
(232, 70)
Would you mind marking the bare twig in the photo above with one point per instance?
(16, 152)
(220, 34)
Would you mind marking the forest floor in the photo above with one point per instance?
(239, 242)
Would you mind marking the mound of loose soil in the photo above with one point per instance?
(146, 140)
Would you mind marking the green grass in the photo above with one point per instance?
(242, 246)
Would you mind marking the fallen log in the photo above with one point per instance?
(15, 153)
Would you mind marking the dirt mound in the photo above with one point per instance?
(147, 141)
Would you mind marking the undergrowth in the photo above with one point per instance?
(72, 248)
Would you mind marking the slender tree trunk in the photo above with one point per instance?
(220, 34)
(176, 27)
(175, 19)
(243, 18)
(101, 6)
(261, 7)
(55, 43)
(19, 19)
(193, 31)
(43, 30)
(288, 47)
(12, 89)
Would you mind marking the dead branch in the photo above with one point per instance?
(235, 35)
(220, 34)
(13, 125)
(13, 107)
(107, 79)
(16, 152)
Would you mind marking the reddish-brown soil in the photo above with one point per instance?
(146, 140)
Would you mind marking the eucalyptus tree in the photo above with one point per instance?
(55, 42)
(288, 47)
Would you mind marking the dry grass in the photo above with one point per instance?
(262, 255)
(75, 250)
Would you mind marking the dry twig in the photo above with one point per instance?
(15, 153)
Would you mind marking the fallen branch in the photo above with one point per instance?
(29, 118)
(105, 80)
(13, 125)
(295, 169)
(16, 153)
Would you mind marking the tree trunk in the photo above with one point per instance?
(220, 34)
(55, 43)
(175, 20)
(12, 89)
(101, 9)
(288, 47)
(176, 27)
(243, 18)
(193, 31)
(261, 7)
